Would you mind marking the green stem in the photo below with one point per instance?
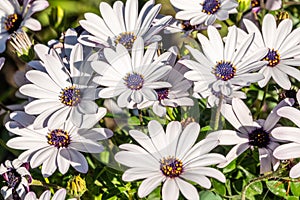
(42, 184)
(218, 114)
(262, 103)
(255, 180)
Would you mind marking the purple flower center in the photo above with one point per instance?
(12, 23)
(259, 138)
(58, 138)
(210, 6)
(126, 39)
(162, 93)
(186, 26)
(134, 81)
(70, 96)
(272, 57)
(171, 167)
(224, 70)
(12, 178)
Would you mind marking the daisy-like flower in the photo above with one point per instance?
(223, 68)
(2, 60)
(175, 96)
(171, 158)
(17, 179)
(59, 195)
(283, 46)
(61, 94)
(250, 133)
(204, 11)
(132, 78)
(54, 148)
(291, 136)
(123, 25)
(14, 17)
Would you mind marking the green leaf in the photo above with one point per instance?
(295, 188)
(219, 187)
(208, 195)
(277, 188)
(230, 167)
(292, 198)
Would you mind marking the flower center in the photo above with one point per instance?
(255, 3)
(70, 96)
(162, 93)
(259, 138)
(126, 39)
(210, 6)
(186, 26)
(58, 138)
(12, 23)
(12, 178)
(272, 57)
(134, 81)
(224, 70)
(171, 167)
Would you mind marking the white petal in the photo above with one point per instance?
(170, 189)
(187, 139)
(50, 165)
(295, 171)
(187, 189)
(234, 153)
(149, 184)
(286, 133)
(268, 30)
(287, 151)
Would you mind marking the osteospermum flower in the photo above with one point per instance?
(175, 96)
(61, 94)
(123, 25)
(59, 195)
(54, 148)
(204, 11)
(132, 78)
(291, 136)
(250, 133)
(14, 17)
(221, 69)
(17, 179)
(172, 158)
(283, 46)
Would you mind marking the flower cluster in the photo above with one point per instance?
(77, 89)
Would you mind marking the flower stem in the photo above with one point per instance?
(262, 103)
(255, 180)
(217, 115)
(42, 184)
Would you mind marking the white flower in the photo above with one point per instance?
(283, 46)
(54, 148)
(17, 179)
(59, 195)
(2, 60)
(61, 94)
(14, 17)
(289, 134)
(132, 78)
(175, 96)
(223, 68)
(204, 11)
(249, 133)
(122, 25)
(171, 158)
